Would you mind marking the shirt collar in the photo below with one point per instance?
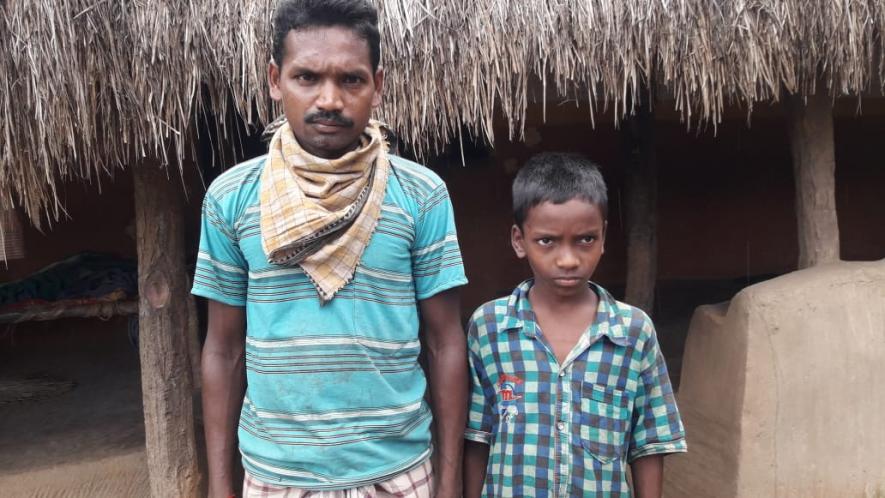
(609, 322)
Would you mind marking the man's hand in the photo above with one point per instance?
(446, 490)
(224, 380)
(476, 460)
(648, 475)
(447, 373)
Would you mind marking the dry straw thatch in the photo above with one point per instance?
(88, 86)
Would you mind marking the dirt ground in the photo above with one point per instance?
(88, 441)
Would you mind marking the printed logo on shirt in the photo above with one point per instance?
(507, 385)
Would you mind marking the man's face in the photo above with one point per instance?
(563, 243)
(327, 88)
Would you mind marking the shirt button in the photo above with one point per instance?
(562, 373)
(560, 426)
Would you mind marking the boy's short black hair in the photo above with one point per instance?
(359, 15)
(557, 177)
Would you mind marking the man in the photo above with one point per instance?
(316, 260)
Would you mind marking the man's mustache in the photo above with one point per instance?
(328, 117)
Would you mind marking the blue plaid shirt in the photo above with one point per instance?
(569, 429)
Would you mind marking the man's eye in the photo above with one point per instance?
(352, 80)
(588, 239)
(306, 77)
(545, 241)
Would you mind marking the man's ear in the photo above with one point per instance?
(517, 241)
(273, 80)
(379, 87)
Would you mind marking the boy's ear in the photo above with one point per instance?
(517, 240)
(604, 232)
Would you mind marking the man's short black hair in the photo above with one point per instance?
(358, 15)
(558, 178)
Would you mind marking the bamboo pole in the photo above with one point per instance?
(164, 321)
(642, 195)
(814, 165)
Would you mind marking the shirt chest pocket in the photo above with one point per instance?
(605, 420)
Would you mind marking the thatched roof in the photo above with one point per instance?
(87, 86)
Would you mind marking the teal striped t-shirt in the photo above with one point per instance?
(335, 395)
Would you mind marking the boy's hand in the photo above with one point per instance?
(648, 476)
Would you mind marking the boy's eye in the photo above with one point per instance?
(545, 241)
(588, 239)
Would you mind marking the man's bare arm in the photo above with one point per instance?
(476, 460)
(224, 381)
(447, 373)
(648, 476)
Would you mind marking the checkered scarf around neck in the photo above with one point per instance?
(320, 213)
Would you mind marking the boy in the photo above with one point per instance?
(569, 385)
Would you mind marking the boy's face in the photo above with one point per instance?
(327, 88)
(563, 243)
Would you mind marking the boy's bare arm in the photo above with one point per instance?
(224, 380)
(447, 372)
(476, 459)
(648, 476)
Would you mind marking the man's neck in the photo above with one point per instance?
(331, 155)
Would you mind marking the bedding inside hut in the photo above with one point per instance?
(86, 284)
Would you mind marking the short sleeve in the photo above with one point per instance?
(222, 273)
(436, 257)
(657, 427)
(480, 417)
